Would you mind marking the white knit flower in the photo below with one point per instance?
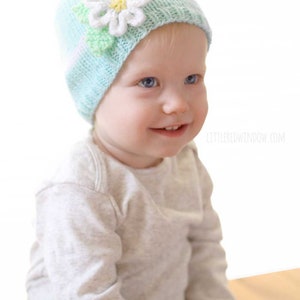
(117, 14)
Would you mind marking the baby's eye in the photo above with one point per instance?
(192, 79)
(148, 82)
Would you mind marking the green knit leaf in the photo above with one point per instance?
(81, 12)
(99, 40)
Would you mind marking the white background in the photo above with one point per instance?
(250, 142)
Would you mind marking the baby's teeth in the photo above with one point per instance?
(172, 128)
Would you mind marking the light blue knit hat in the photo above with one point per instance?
(98, 35)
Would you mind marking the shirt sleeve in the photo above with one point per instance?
(208, 263)
(72, 222)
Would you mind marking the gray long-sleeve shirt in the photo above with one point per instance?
(106, 231)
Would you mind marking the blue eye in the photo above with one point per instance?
(192, 79)
(148, 82)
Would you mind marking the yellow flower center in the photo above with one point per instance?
(118, 5)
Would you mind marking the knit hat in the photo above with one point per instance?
(98, 35)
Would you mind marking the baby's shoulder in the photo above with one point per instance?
(83, 166)
(189, 152)
(190, 157)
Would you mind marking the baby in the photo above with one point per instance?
(128, 213)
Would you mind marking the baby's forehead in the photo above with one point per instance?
(181, 45)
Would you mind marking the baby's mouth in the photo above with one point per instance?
(172, 128)
(171, 131)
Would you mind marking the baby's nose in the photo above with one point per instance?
(175, 103)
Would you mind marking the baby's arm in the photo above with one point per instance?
(76, 229)
(208, 264)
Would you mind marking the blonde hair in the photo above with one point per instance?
(166, 34)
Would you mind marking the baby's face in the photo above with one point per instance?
(158, 103)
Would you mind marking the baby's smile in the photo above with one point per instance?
(171, 131)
